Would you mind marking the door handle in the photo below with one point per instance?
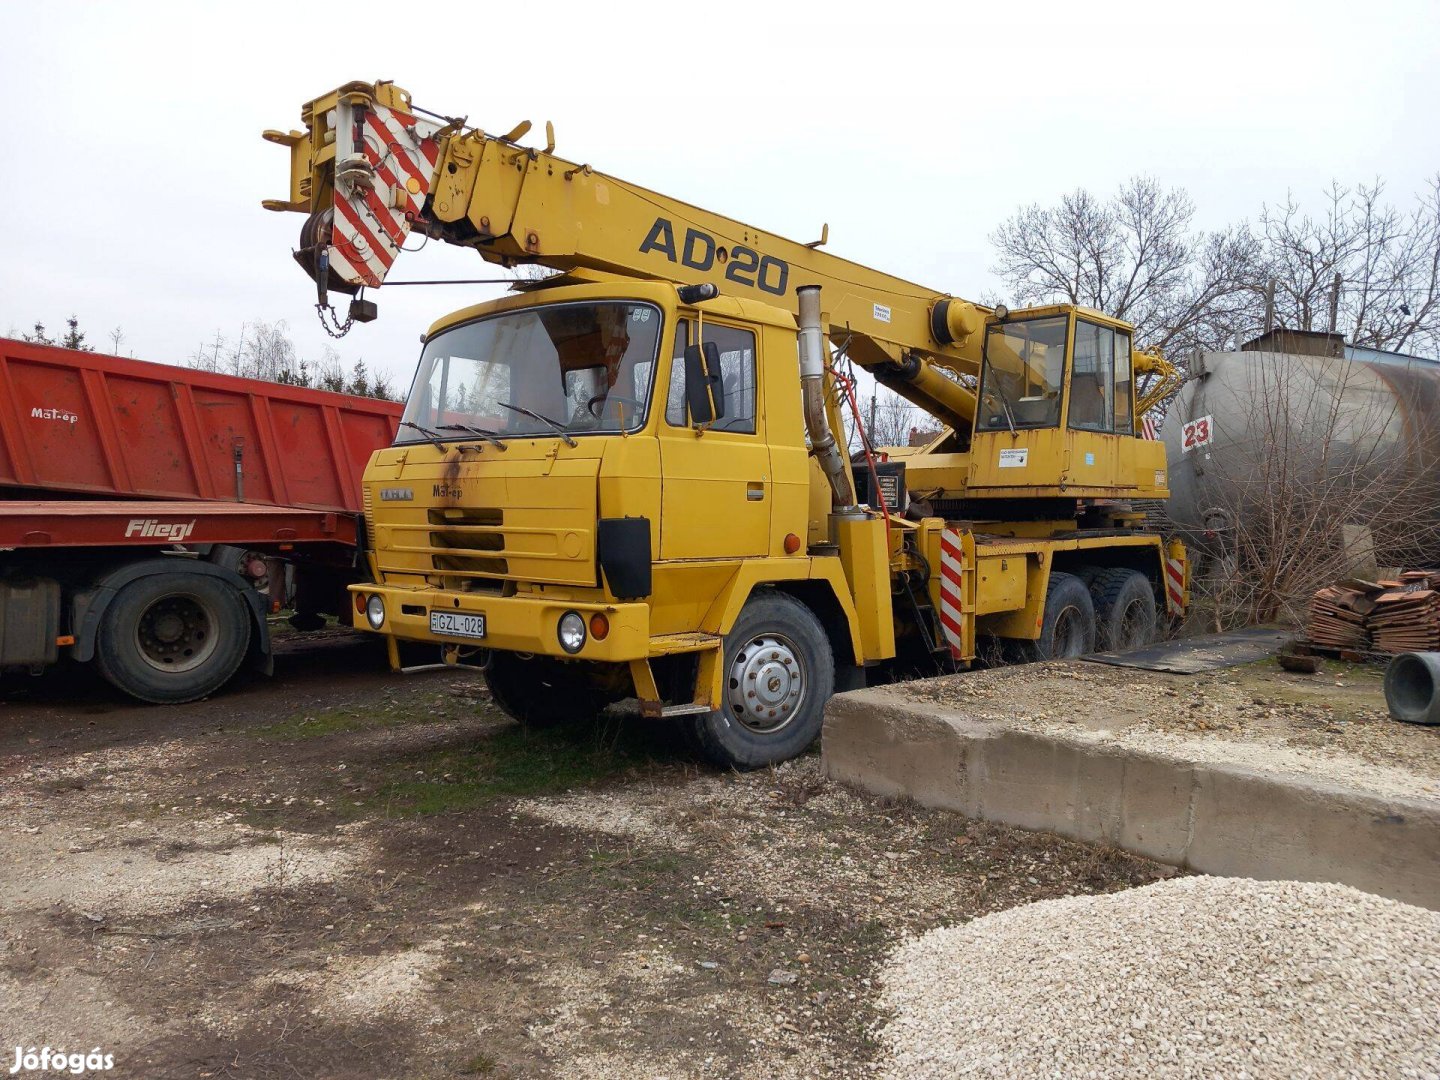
(755, 491)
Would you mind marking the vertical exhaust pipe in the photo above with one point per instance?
(812, 388)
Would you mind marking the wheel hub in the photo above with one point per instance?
(175, 633)
(767, 683)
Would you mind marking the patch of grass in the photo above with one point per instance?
(509, 763)
(479, 1065)
(329, 722)
(642, 870)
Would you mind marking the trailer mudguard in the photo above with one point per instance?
(89, 606)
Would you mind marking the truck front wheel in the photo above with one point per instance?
(172, 638)
(540, 692)
(779, 673)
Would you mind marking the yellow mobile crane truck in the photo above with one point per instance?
(627, 478)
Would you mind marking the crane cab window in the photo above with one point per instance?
(1023, 373)
(1100, 383)
(1124, 386)
(737, 371)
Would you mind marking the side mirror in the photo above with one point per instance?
(704, 392)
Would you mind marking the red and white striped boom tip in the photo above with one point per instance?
(384, 162)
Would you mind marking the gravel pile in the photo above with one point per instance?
(1191, 977)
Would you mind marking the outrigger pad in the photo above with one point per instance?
(1192, 655)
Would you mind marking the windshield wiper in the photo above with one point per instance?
(1000, 390)
(431, 437)
(558, 427)
(492, 437)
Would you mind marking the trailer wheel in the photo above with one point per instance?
(542, 692)
(172, 638)
(1125, 607)
(779, 673)
(1068, 629)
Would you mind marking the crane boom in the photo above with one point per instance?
(369, 169)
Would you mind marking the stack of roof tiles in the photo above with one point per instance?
(1391, 616)
(1406, 617)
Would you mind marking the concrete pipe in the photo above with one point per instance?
(1412, 687)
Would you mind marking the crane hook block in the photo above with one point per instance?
(952, 322)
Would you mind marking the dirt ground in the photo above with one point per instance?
(343, 873)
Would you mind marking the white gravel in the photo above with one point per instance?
(1191, 977)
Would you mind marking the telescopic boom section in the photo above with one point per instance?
(370, 169)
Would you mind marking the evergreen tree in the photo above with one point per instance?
(39, 337)
(75, 337)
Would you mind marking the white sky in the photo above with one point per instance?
(133, 169)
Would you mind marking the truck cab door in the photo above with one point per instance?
(716, 486)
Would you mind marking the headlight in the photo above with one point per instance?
(572, 632)
(375, 611)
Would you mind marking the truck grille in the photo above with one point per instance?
(468, 540)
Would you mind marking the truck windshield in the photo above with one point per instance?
(1023, 373)
(585, 367)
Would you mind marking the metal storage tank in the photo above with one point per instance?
(1284, 422)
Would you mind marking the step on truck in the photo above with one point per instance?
(626, 480)
(152, 517)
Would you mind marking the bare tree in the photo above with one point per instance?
(264, 351)
(1384, 262)
(1135, 257)
(890, 420)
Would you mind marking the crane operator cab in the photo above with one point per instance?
(1056, 410)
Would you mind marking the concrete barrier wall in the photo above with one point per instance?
(1216, 819)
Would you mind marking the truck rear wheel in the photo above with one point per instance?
(1068, 629)
(172, 638)
(1125, 607)
(542, 692)
(779, 673)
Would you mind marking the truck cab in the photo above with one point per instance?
(552, 498)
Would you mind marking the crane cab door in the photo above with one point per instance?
(716, 486)
(1099, 415)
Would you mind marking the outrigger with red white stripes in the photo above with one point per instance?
(626, 479)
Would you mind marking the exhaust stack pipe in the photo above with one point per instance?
(812, 387)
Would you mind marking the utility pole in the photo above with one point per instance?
(1269, 305)
(1335, 300)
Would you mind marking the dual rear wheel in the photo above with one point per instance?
(1097, 609)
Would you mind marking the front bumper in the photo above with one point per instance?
(526, 624)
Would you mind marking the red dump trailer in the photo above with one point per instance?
(152, 516)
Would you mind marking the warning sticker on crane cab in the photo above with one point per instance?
(882, 313)
(1014, 459)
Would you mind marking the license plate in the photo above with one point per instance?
(457, 624)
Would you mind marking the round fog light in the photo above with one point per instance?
(572, 632)
(375, 611)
